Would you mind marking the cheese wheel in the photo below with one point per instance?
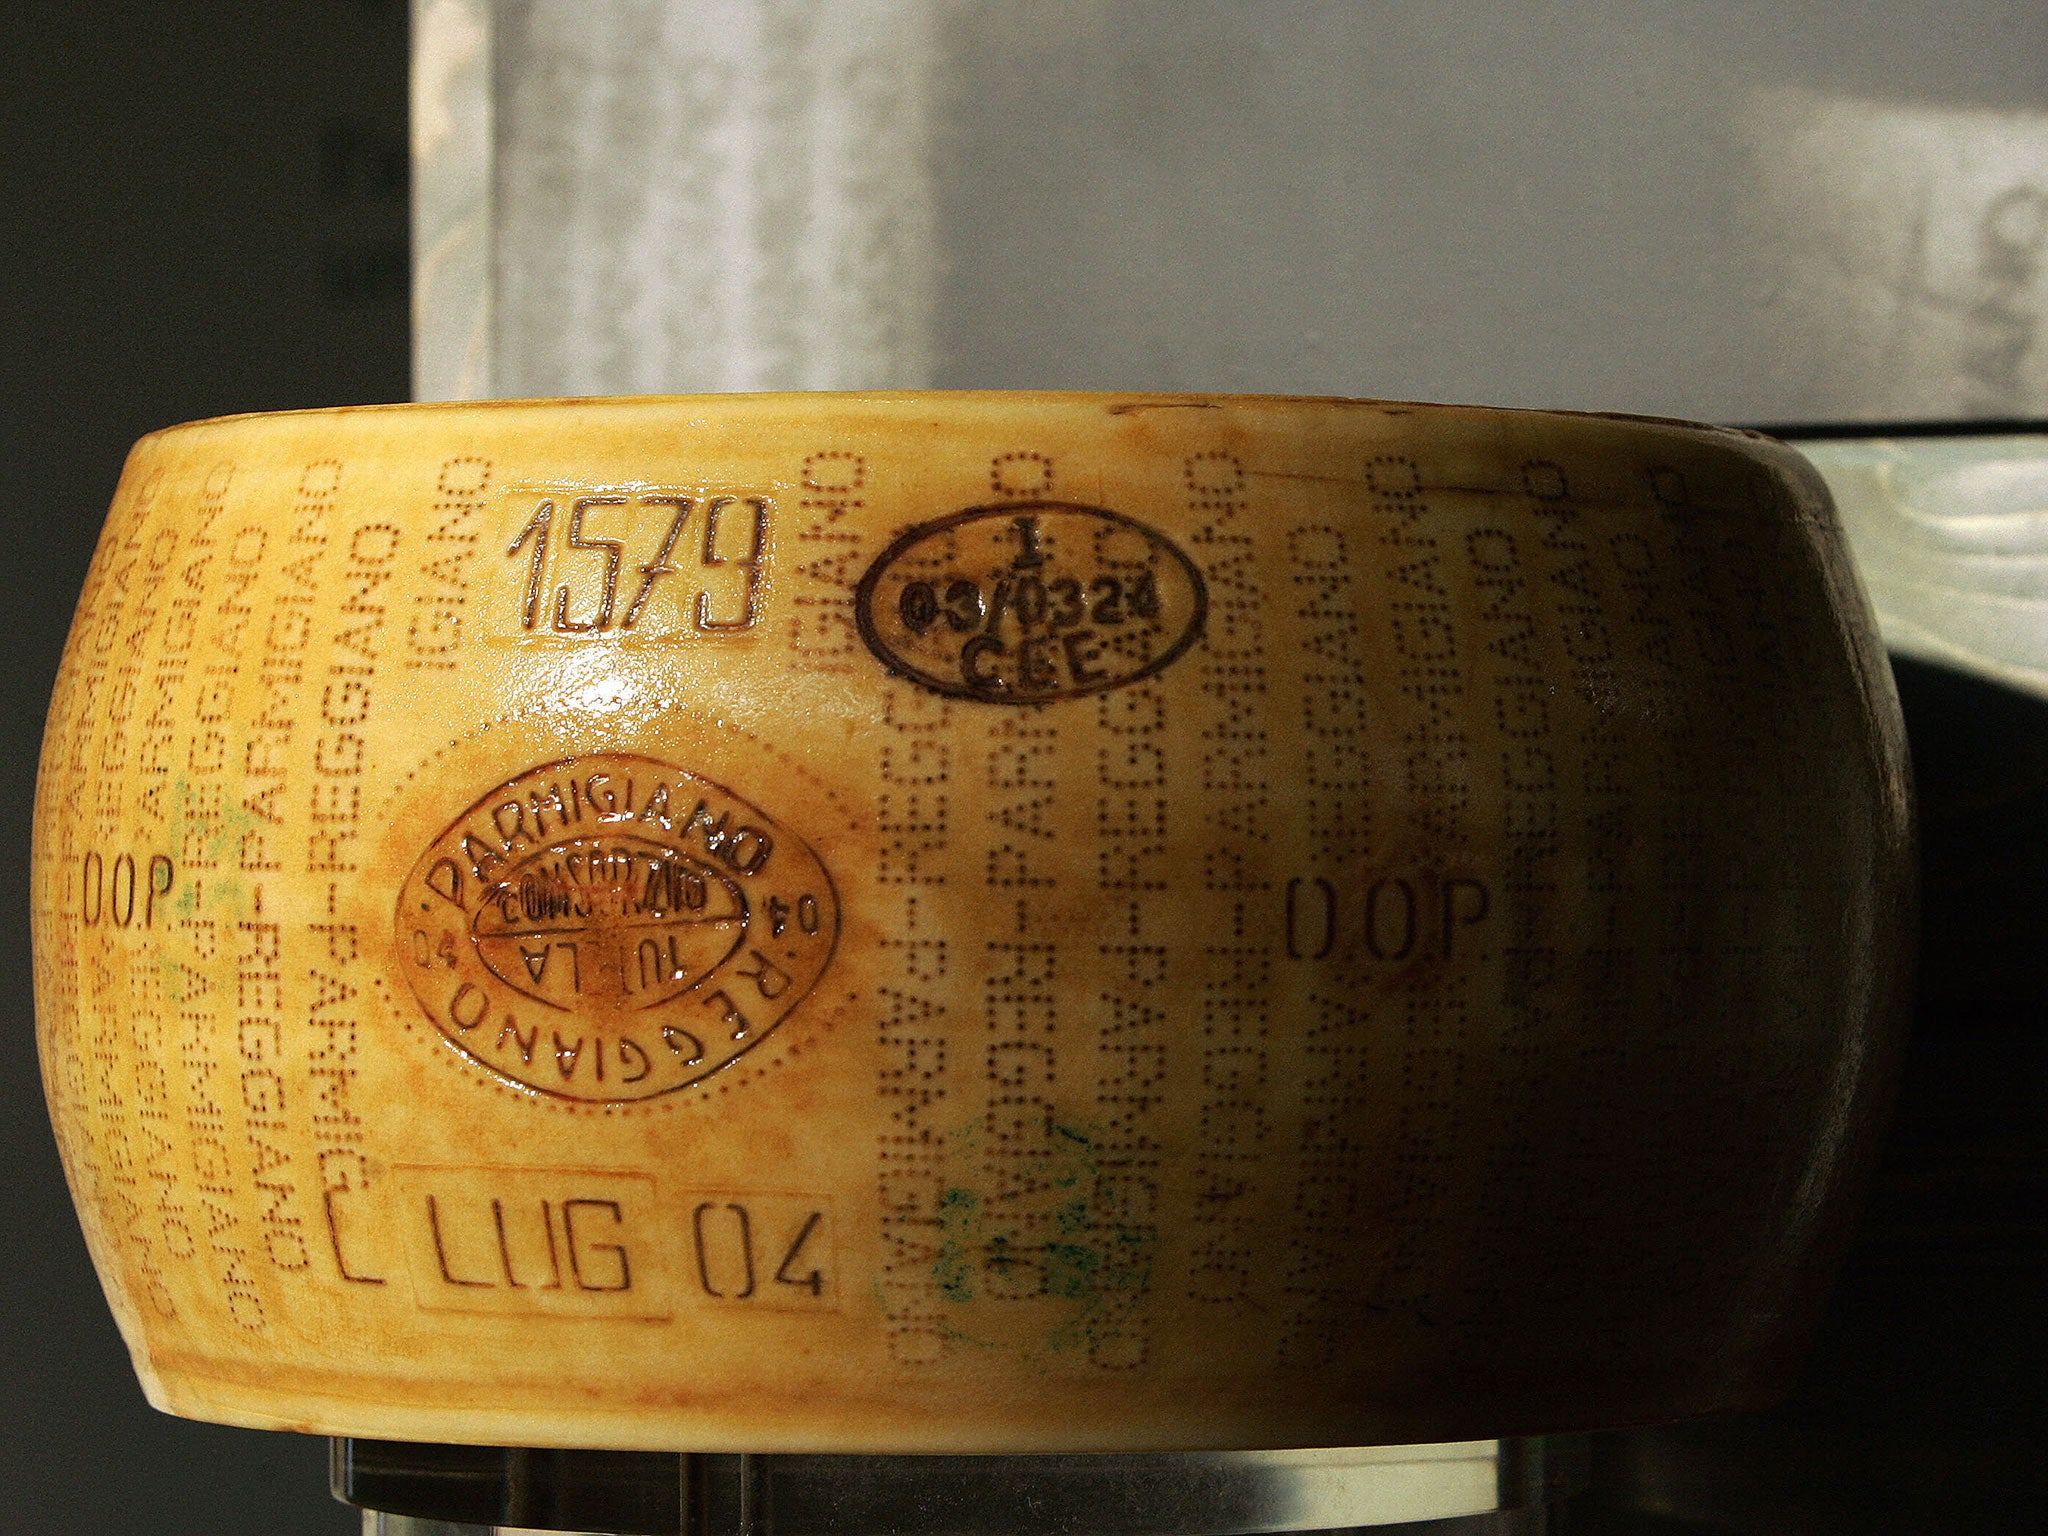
(982, 923)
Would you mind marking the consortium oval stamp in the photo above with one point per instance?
(1030, 601)
(610, 928)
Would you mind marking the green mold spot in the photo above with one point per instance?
(173, 975)
(959, 1229)
(220, 836)
(1071, 1219)
(1070, 1270)
(1085, 1249)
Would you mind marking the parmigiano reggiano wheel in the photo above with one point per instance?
(966, 922)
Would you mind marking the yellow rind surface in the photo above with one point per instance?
(1427, 974)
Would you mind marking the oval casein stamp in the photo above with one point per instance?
(1030, 601)
(610, 928)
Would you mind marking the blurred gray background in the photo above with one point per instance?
(1716, 209)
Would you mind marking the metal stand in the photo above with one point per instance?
(1478, 1488)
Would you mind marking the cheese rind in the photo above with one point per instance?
(971, 923)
